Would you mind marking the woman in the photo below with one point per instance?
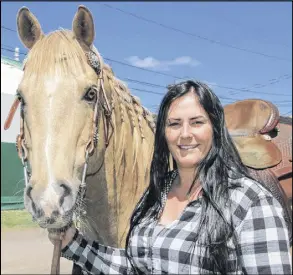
(206, 215)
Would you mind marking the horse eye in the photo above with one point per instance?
(20, 98)
(90, 95)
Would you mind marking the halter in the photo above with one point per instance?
(101, 105)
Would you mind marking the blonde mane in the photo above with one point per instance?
(134, 113)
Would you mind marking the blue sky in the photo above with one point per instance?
(262, 27)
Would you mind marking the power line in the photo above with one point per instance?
(221, 97)
(9, 47)
(143, 69)
(121, 63)
(157, 93)
(226, 99)
(242, 90)
(10, 50)
(216, 85)
(8, 29)
(146, 91)
(290, 112)
(286, 76)
(196, 35)
(144, 83)
(257, 31)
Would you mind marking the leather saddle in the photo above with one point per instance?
(283, 139)
(249, 123)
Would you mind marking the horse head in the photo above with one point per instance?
(60, 96)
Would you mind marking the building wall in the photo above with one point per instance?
(12, 178)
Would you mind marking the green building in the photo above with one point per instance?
(12, 178)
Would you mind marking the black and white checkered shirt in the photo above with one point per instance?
(259, 224)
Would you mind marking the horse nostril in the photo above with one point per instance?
(55, 214)
(28, 192)
(66, 193)
(50, 220)
(38, 212)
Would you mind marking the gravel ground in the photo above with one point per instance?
(28, 251)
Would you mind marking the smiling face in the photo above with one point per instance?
(189, 132)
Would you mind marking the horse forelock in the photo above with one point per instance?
(56, 54)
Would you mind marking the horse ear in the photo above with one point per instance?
(83, 26)
(28, 27)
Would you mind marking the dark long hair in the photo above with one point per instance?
(221, 163)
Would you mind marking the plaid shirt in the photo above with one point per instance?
(259, 224)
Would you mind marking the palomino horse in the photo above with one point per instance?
(80, 127)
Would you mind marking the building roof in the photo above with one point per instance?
(11, 62)
(11, 75)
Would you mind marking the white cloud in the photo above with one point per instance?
(153, 63)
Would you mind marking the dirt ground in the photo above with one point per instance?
(28, 251)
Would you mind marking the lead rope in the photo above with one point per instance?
(55, 266)
(58, 236)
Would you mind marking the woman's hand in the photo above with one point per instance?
(66, 236)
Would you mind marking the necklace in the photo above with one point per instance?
(167, 188)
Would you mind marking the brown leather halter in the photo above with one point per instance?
(101, 105)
